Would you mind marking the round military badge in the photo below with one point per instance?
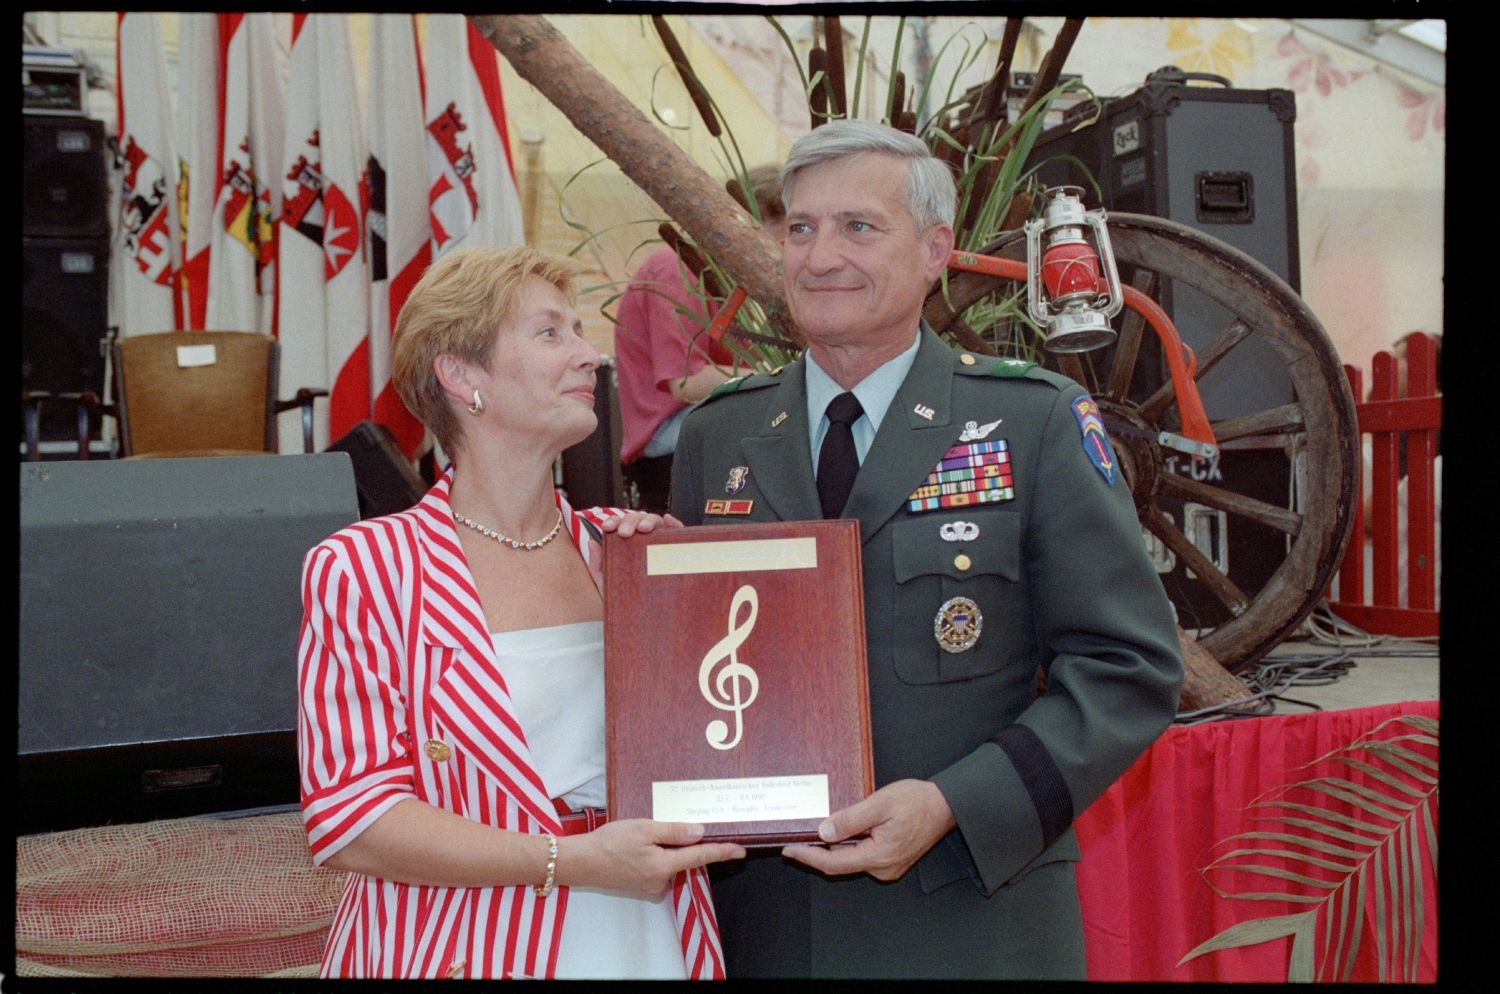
(957, 624)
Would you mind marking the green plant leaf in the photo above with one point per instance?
(1429, 831)
(1293, 855)
(1356, 933)
(791, 48)
(1329, 816)
(1311, 842)
(1404, 760)
(1411, 906)
(1390, 780)
(1252, 933)
(1418, 721)
(1336, 926)
(890, 90)
(1377, 805)
(859, 70)
(966, 59)
(1300, 969)
(1260, 869)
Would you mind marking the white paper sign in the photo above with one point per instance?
(196, 355)
(732, 557)
(741, 799)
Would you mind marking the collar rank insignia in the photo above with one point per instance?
(736, 481)
(974, 431)
(1095, 439)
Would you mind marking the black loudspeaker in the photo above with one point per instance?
(591, 474)
(64, 191)
(64, 315)
(386, 481)
(160, 604)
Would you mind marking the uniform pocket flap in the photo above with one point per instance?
(958, 545)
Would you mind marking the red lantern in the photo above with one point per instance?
(1060, 261)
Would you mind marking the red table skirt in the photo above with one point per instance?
(1146, 900)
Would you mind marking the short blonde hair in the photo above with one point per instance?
(456, 308)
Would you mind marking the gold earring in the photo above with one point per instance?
(478, 406)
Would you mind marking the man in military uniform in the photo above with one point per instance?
(997, 537)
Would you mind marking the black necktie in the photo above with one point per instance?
(837, 463)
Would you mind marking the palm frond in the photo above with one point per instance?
(1356, 853)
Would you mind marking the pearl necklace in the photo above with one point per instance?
(506, 539)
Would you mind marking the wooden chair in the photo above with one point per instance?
(32, 402)
(198, 393)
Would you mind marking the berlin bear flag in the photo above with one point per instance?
(473, 190)
(242, 256)
(323, 316)
(146, 256)
(396, 219)
(198, 115)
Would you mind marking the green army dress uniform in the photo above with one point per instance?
(1058, 572)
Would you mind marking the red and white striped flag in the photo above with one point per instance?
(324, 303)
(396, 221)
(146, 256)
(473, 190)
(242, 255)
(198, 116)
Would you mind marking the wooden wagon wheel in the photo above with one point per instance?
(1318, 422)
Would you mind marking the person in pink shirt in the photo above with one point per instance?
(663, 360)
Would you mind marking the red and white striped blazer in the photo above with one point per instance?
(394, 652)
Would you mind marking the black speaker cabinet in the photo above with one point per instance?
(591, 474)
(386, 481)
(1190, 148)
(64, 191)
(64, 315)
(160, 603)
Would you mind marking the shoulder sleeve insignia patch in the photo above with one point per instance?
(1095, 439)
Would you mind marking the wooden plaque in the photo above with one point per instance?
(735, 687)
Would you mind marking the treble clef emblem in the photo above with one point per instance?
(735, 686)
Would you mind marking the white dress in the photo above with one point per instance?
(556, 681)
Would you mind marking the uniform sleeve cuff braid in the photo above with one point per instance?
(1042, 779)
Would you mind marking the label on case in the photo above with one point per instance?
(1127, 137)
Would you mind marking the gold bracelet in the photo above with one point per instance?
(545, 888)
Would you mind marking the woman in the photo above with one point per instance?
(451, 731)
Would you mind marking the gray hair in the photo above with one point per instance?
(931, 195)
